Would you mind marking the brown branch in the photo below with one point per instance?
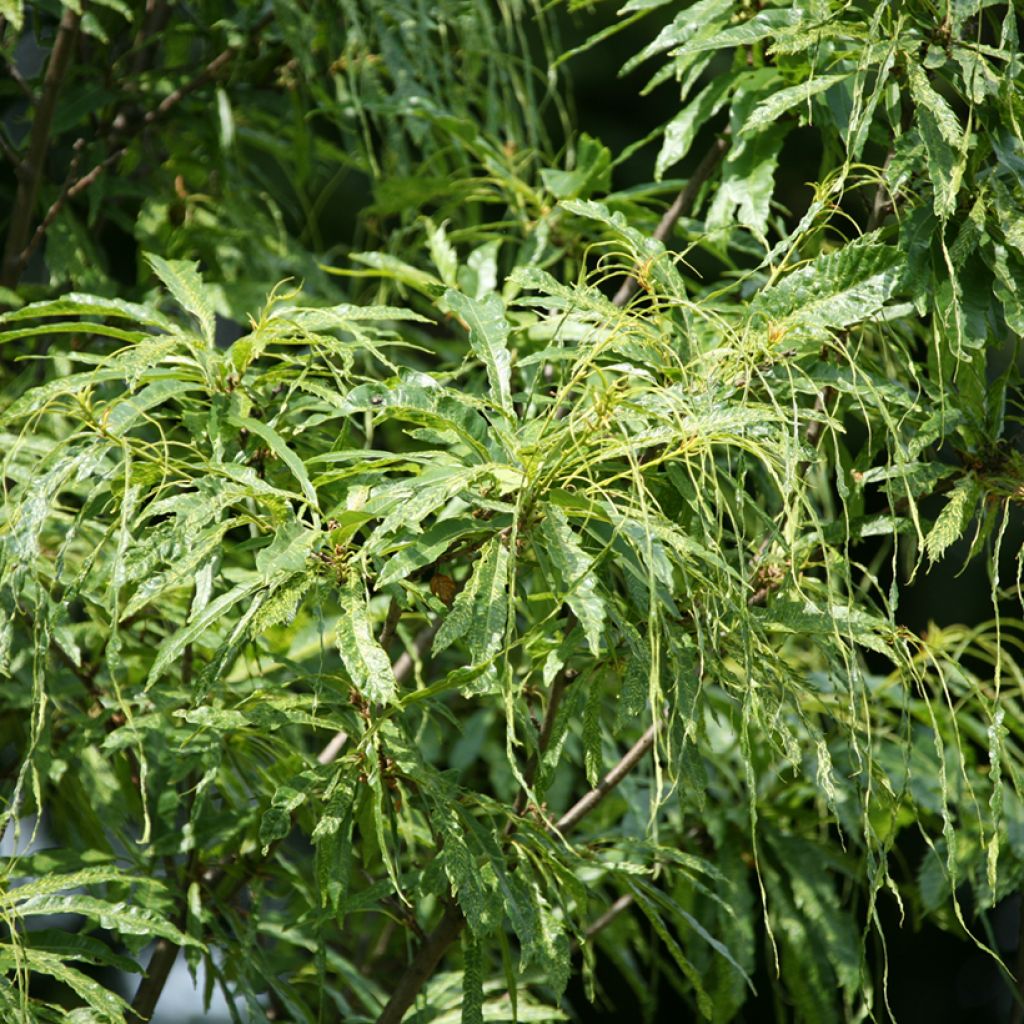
(423, 965)
(681, 207)
(21, 256)
(152, 985)
(30, 171)
(602, 922)
(626, 764)
(390, 624)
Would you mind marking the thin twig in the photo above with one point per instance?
(171, 100)
(883, 200)
(31, 168)
(19, 80)
(682, 206)
(626, 764)
(602, 922)
(10, 154)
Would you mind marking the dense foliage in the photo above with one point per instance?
(519, 589)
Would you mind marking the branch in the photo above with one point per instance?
(21, 256)
(681, 207)
(31, 169)
(423, 965)
(152, 985)
(602, 922)
(627, 763)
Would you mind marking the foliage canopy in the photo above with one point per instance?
(524, 586)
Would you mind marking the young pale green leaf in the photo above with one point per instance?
(575, 569)
(488, 337)
(365, 660)
(183, 282)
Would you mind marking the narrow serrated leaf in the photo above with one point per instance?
(365, 660)
(184, 283)
(952, 521)
(488, 337)
(575, 567)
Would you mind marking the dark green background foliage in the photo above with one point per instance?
(432, 572)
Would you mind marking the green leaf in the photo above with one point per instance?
(488, 337)
(124, 917)
(946, 122)
(954, 518)
(682, 129)
(183, 282)
(104, 1004)
(277, 445)
(592, 173)
(423, 549)
(365, 660)
(287, 552)
(80, 304)
(575, 568)
(472, 980)
(836, 290)
(442, 252)
(480, 611)
(771, 109)
(174, 646)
